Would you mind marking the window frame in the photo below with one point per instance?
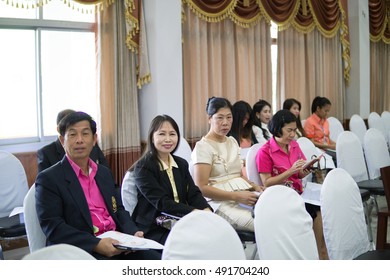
(38, 25)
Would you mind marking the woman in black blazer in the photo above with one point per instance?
(163, 181)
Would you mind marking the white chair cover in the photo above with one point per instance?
(344, 225)
(202, 235)
(386, 120)
(184, 150)
(129, 192)
(35, 236)
(283, 228)
(350, 156)
(251, 166)
(13, 183)
(358, 127)
(335, 128)
(375, 121)
(309, 149)
(59, 252)
(376, 152)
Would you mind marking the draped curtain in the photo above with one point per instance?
(318, 28)
(379, 17)
(222, 59)
(122, 67)
(310, 65)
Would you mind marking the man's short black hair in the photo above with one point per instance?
(73, 118)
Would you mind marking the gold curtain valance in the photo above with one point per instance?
(328, 16)
(379, 17)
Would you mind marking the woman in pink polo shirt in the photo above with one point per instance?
(317, 126)
(281, 160)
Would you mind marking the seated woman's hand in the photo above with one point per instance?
(297, 166)
(246, 197)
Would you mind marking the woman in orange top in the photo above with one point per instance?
(317, 126)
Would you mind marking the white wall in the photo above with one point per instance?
(164, 95)
(358, 91)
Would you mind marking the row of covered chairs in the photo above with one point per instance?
(380, 122)
(283, 232)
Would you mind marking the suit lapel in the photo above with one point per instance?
(76, 191)
(107, 195)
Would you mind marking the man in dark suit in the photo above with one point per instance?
(76, 199)
(54, 152)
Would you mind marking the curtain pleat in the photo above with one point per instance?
(222, 59)
(310, 65)
(119, 131)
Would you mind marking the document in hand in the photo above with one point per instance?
(132, 243)
(312, 162)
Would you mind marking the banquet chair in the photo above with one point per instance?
(202, 235)
(375, 152)
(59, 252)
(351, 159)
(384, 213)
(129, 192)
(283, 227)
(385, 116)
(309, 150)
(184, 150)
(335, 128)
(35, 236)
(251, 166)
(13, 188)
(375, 121)
(358, 127)
(342, 214)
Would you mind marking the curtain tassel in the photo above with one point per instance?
(304, 7)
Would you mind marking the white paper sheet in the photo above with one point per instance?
(130, 242)
(311, 194)
(16, 211)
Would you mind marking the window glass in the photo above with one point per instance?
(57, 10)
(18, 106)
(68, 75)
(45, 66)
(10, 11)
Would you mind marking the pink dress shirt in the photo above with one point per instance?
(272, 159)
(101, 218)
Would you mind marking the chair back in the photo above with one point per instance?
(283, 228)
(203, 235)
(335, 128)
(129, 192)
(375, 121)
(184, 150)
(385, 116)
(13, 183)
(251, 166)
(307, 147)
(35, 236)
(344, 225)
(59, 252)
(358, 127)
(375, 152)
(350, 156)
(385, 174)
